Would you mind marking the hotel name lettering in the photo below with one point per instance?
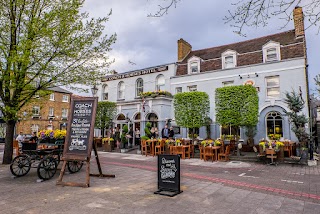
(136, 73)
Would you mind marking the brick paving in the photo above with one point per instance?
(208, 188)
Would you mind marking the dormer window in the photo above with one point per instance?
(271, 52)
(194, 65)
(229, 59)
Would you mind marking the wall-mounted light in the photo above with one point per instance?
(248, 75)
(256, 74)
(240, 76)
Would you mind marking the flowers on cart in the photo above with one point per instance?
(50, 134)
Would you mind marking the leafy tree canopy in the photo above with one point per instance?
(106, 111)
(237, 105)
(191, 109)
(43, 44)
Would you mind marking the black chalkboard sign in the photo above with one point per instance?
(78, 144)
(168, 175)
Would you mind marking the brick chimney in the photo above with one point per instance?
(298, 21)
(184, 48)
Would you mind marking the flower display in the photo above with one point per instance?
(155, 93)
(178, 142)
(107, 139)
(274, 136)
(217, 143)
(206, 142)
(44, 134)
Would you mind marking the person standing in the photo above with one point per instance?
(117, 137)
(20, 139)
(171, 132)
(34, 138)
(137, 137)
(165, 132)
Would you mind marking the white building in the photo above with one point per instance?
(274, 64)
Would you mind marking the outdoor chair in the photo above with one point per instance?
(145, 148)
(201, 150)
(270, 153)
(208, 153)
(187, 151)
(232, 146)
(224, 156)
(16, 147)
(179, 150)
(159, 149)
(287, 148)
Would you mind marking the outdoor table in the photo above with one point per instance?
(215, 148)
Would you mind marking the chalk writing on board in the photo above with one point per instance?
(168, 169)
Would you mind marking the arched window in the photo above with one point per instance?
(121, 117)
(153, 119)
(139, 87)
(274, 123)
(105, 90)
(160, 82)
(121, 88)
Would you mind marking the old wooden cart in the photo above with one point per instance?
(43, 156)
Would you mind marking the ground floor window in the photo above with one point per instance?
(153, 119)
(274, 125)
(195, 132)
(228, 131)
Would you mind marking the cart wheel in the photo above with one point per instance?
(20, 165)
(47, 168)
(74, 166)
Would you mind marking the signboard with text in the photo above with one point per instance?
(168, 175)
(78, 144)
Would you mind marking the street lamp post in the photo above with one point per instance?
(94, 90)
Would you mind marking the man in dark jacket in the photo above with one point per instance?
(165, 132)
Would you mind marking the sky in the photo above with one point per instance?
(144, 41)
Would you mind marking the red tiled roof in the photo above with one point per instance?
(284, 38)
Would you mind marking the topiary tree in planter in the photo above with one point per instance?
(106, 111)
(237, 106)
(191, 109)
(299, 120)
(124, 140)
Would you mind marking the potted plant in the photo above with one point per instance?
(108, 144)
(250, 132)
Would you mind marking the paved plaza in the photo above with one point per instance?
(218, 187)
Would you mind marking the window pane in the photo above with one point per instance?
(273, 81)
(273, 92)
(178, 90)
(194, 67)
(229, 62)
(227, 83)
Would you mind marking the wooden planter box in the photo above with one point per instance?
(108, 147)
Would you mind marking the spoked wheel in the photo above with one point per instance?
(74, 166)
(20, 165)
(47, 168)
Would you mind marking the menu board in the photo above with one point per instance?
(80, 129)
(169, 173)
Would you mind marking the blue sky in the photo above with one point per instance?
(153, 41)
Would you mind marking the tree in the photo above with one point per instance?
(106, 111)
(237, 106)
(44, 44)
(191, 109)
(296, 104)
(248, 13)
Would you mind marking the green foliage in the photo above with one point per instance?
(125, 130)
(106, 111)
(147, 130)
(156, 94)
(191, 109)
(237, 105)
(44, 44)
(295, 104)
(251, 131)
(145, 138)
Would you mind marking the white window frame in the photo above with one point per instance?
(64, 113)
(272, 87)
(121, 89)
(139, 87)
(51, 112)
(229, 53)
(192, 88)
(269, 46)
(160, 86)
(35, 128)
(36, 110)
(65, 98)
(105, 92)
(193, 60)
(230, 130)
(51, 97)
(178, 90)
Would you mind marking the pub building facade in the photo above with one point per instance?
(273, 64)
